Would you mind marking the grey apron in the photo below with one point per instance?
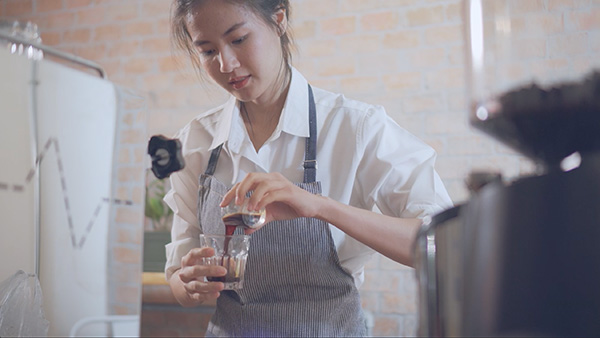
(294, 285)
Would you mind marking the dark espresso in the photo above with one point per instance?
(232, 222)
(229, 277)
(223, 279)
(238, 219)
(229, 230)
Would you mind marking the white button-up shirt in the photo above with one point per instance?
(364, 158)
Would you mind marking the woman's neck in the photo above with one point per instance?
(261, 118)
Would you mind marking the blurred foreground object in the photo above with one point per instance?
(520, 257)
(166, 156)
(21, 313)
(25, 31)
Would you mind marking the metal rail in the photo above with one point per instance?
(55, 52)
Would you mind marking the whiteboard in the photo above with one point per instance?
(76, 121)
(16, 206)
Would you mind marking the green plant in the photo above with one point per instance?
(155, 208)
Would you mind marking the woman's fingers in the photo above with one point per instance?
(201, 297)
(191, 269)
(194, 256)
(193, 274)
(247, 184)
(259, 183)
(262, 185)
(197, 272)
(201, 291)
(281, 198)
(284, 192)
(229, 196)
(203, 287)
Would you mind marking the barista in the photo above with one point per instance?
(308, 261)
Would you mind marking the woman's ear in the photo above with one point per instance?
(280, 17)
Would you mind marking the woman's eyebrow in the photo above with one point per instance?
(227, 32)
(234, 27)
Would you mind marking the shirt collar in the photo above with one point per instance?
(293, 120)
(224, 125)
(294, 117)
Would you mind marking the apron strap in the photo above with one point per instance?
(310, 152)
(212, 162)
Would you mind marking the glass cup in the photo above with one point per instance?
(231, 252)
(239, 216)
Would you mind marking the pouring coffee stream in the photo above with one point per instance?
(238, 216)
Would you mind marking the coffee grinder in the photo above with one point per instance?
(525, 254)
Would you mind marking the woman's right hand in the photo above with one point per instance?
(188, 283)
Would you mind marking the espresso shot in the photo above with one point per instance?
(231, 252)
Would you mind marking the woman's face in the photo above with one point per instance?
(238, 50)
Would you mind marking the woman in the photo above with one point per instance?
(308, 261)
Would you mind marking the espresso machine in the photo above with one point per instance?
(522, 257)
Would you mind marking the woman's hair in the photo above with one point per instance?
(264, 9)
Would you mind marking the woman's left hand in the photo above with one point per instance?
(281, 198)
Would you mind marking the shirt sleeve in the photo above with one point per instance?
(397, 170)
(182, 199)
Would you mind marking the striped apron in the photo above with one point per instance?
(294, 285)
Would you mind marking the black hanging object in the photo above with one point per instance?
(166, 156)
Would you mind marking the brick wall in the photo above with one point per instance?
(406, 55)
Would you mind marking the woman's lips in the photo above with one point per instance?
(239, 82)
